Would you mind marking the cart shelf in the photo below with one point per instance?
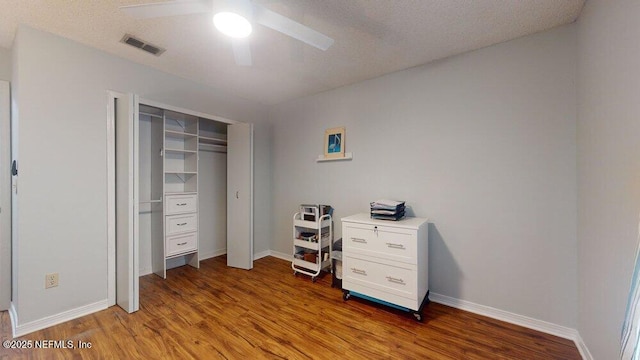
(311, 241)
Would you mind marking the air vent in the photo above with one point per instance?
(142, 45)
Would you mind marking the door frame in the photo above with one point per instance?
(111, 196)
(111, 179)
(5, 196)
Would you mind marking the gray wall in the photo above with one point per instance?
(483, 144)
(5, 64)
(62, 214)
(608, 168)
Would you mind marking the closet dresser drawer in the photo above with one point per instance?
(180, 244)
(178, 224)
(180, 204)
(381, 241)
(386, 260)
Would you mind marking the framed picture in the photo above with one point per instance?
(334, 143)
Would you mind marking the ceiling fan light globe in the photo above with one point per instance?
(232, 24)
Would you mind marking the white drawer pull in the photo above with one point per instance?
(184, 243)
(395, 246)
(359, 271)
(181, 224)
(395, 280)
(359, 240)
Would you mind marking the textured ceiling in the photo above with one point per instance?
(372, 38)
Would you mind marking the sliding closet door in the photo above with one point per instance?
(240, 196)
(127, 242)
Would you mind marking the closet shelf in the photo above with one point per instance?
(214, 146)
(181, 151)
(150, 114)
(179, 134)
(180, 172)
(182, 254)
(181, 193)
(206, 140)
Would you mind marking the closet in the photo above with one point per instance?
(181, 190)
(182, 183)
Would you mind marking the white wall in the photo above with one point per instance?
(5, 64)
(483, 144)
(263, 188)
(62, 144)
(608, 168)
(212, 200)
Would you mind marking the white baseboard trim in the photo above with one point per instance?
(212, 254)
(279, 255)
(582, 347)
(20, 330)
(521, 320)
(145, 271)
(13, 314)
(261, 254)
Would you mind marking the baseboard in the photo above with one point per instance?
(20, 330)
(145, 271)
(582, 348)
(212, 254)
(280, 255)
(13, 314)
(525, 321)
(261, 254)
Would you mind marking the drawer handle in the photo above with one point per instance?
(359, 271)
(395, 280)
(359, 240)
(395, 246)
(181, 224)
(181, 204)
(184, 243)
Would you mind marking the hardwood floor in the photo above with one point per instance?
(224, 313)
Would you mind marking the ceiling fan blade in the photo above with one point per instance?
(242, 52)
(168, 8)
(292, 28)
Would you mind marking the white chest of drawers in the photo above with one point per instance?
(386, 261)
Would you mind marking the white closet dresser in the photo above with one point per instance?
(386, 261)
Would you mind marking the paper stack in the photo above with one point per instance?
(387, 210)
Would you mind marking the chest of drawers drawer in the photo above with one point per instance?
(385, 276)
(381, 241)
(180, 204)
(180, 244)
(178, 224)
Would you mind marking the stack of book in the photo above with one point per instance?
(387, 210)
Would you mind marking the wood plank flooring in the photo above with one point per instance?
(217, 312)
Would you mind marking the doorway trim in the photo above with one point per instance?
(111, 195)
(5, 196)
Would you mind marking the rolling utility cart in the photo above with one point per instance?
(312, 237)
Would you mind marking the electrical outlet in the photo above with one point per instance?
(50, 280)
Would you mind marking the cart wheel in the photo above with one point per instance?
(345, 295)
(417, 316)
(295, 273)
(314, 278)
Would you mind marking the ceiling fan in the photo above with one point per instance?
(234, 18)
